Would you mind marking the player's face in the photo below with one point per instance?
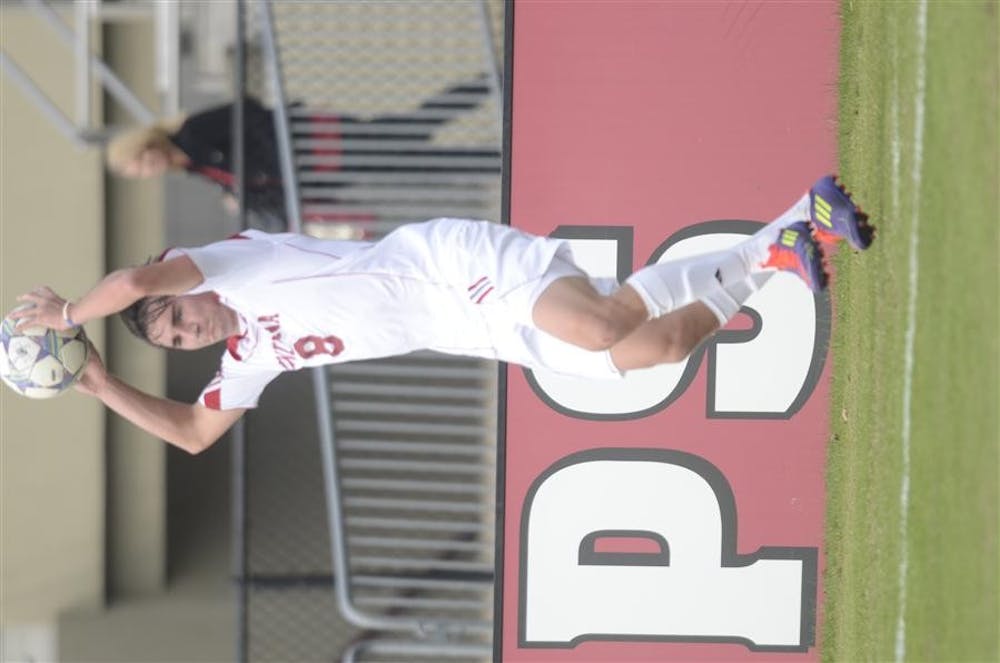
(190, 322)
(151, 162)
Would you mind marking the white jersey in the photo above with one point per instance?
(455, 286)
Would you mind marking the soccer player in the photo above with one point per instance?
(283, 302)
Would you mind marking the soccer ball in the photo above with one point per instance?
(41, 363)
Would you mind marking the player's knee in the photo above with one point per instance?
(666, 346)
(673, 351)
(676, 345)
(601, 329)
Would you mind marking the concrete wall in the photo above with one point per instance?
(136, 461)
(51, 232)
(83, 493)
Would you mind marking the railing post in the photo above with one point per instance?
(56, 116)
(83, 11)
(167, 57)
(239, 457)
(281, 127)
(114, 85)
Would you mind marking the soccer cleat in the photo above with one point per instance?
(834, 215)
(796, 251)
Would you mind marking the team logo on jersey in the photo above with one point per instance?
(283, 352)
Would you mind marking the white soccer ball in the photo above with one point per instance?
(41, 363)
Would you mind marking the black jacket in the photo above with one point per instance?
(206, 138)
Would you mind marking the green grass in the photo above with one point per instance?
(952, 533)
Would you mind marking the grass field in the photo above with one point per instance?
(912, 515)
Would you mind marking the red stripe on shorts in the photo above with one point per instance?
(483, 296)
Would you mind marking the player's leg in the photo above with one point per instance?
(720, 280)
(667, 286)
(667, 339)
(833, 214)
(570, 309)
(573, 311)
(672, 337)
(670, 285)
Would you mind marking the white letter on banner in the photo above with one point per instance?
(693, 587)
(765, 372)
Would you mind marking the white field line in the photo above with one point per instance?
(911, 323)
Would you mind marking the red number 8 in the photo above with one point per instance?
(310, 346)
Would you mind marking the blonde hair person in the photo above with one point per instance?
(147, 151)
(201, 144)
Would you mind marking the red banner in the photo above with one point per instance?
(678, 514)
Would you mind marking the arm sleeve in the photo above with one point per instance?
(229, 264)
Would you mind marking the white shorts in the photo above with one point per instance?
(534, 348)
(500, 272)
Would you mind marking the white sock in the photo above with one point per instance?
(725, 302)
(758, 279)
(755, 249)
(666, 286)
(797, 212)
(722, 304)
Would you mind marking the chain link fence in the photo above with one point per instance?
(394, 111)
(377, 544)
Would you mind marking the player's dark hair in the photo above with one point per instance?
(142, 313)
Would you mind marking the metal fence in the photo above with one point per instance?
(89, 17)
(377, 543)
(393, 110)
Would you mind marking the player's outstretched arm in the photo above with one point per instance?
(115, 292)
(192, 428)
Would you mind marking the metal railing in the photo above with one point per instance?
(81, 128)
(393, 111)
(385, 113)
(415, 651)
(410, 493)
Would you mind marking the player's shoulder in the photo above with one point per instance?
(241, 355)
(260, 235)
(247, 239)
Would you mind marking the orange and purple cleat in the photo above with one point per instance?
(834, 216)
(796, 251)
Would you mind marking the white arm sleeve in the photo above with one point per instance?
(231, 263)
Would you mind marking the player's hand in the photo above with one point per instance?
(94, 373)
(44, 309)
